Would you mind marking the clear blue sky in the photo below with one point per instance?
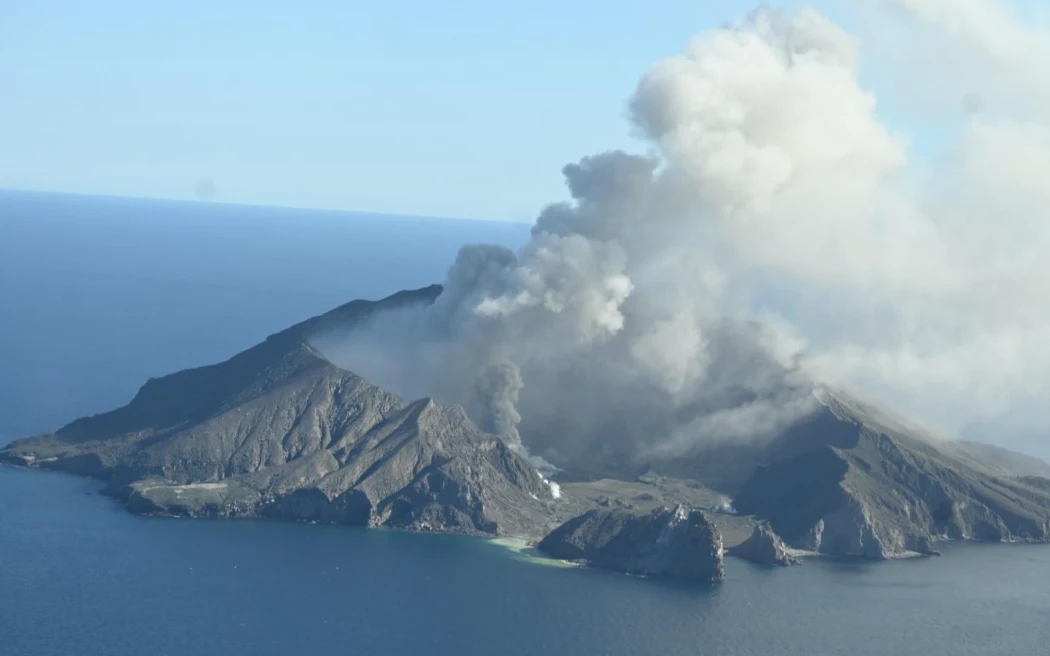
(466, 108)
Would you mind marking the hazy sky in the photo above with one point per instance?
(467, 108)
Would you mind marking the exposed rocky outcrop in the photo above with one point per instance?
(852, 480)
(675, 542)
(279, 431)
(765, 547)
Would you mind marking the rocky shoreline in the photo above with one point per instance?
(278, 431)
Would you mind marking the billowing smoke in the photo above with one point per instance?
(498, 388)
(778, 232)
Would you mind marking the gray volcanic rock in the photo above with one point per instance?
(674, 542)
(853, 480)
(819, 464)
(279, 431)
(765, 547)
(1000, 460)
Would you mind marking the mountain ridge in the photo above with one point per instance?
(279, 431)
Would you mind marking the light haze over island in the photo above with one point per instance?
(782, 310)
(310, 108)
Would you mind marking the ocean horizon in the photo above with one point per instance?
(99, 295)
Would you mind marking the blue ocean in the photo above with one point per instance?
(98, 294)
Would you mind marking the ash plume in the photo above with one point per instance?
(778, 232)
(498, 388)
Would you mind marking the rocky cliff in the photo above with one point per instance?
(279, 431)
(675, 542)
(853, 480)
(765, 547)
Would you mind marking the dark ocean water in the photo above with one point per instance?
(78, 575)
(98, 294)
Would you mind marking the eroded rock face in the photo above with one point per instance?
(765, 547)
(279, 431)
(674, 542)
(877, 488)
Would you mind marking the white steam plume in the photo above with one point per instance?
(779, 230)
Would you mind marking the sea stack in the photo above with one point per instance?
(675, 542)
